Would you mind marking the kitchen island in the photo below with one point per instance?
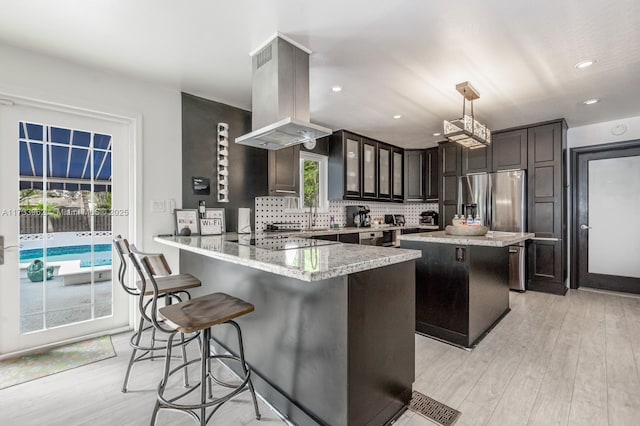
(331, 340)
(462, 283)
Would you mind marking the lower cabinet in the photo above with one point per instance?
(546, 266)
(353, 238)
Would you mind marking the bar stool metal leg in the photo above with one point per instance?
(244, 368)
(133, 356)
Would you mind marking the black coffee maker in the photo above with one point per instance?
(358, 216)
(429, 217)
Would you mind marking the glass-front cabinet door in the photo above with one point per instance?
(398, 173)
(352, 167)
(369, 166)
(384, 171)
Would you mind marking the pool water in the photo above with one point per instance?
(101, 253)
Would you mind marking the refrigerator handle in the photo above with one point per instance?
(490, 202)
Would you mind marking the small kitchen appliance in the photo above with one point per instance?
(429, 217)
(358, 216)
(399, 219)
(244, 220)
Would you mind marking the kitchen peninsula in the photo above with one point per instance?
(331, 340)
(462, 283)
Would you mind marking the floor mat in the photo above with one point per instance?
(433, 410)
(34, 366)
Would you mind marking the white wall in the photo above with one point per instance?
(599, 133)
(49, 79)
(594, 134)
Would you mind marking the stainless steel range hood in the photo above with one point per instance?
(280, 96)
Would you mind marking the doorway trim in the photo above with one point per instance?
(133, 125)
(576, 156)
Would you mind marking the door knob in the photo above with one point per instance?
(584, 227)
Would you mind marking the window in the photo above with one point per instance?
(313, 181)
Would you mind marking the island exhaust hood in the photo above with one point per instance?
(280, 96)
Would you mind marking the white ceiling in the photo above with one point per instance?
(390, 56)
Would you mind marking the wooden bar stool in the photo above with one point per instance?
(170, 288)
(190, 316)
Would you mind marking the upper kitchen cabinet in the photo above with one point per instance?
(415, 174)
(397, 164)
(477, 160)
(546, 183)
(344, 166)
(369, 169)
(432, 176)
(449, 170)
(364, 169)
(509, 150)
(384, 171)
(284, 172)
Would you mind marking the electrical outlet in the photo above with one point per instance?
(157, 206)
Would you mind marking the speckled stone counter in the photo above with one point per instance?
(492, 239)
(332, 337)
(305, 264)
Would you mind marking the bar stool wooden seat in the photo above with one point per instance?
(190, 316)
(172, 287)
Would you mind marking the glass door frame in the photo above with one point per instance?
(580, 158)
(12, 110)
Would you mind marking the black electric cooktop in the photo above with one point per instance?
(280, 243)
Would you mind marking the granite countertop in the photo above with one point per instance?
(306, 264)
(349, 230)
(492, 239)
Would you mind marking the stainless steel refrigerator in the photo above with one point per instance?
(500, 201)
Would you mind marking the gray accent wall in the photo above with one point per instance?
(247, 165)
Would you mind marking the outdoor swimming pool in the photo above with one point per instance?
(101, 253)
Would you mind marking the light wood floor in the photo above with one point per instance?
(552, 360)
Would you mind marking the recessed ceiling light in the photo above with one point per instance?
(591, 101)
(337, 88)
(585, 64)
(397, 116)
(437, 134)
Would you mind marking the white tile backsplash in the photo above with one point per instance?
(272, 210)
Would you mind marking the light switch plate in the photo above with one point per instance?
(158, 206)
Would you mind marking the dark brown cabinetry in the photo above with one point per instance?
(476, 160)
(384, 171)
(284, 171)
(547, 218)
(364, 169)
(397, 173)
(449, 169)
(421, 175)
(432, 175)
(414, 174)
(345, 166)
(369, 155)
(509, 150)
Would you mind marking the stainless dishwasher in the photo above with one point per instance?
(371, 238)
